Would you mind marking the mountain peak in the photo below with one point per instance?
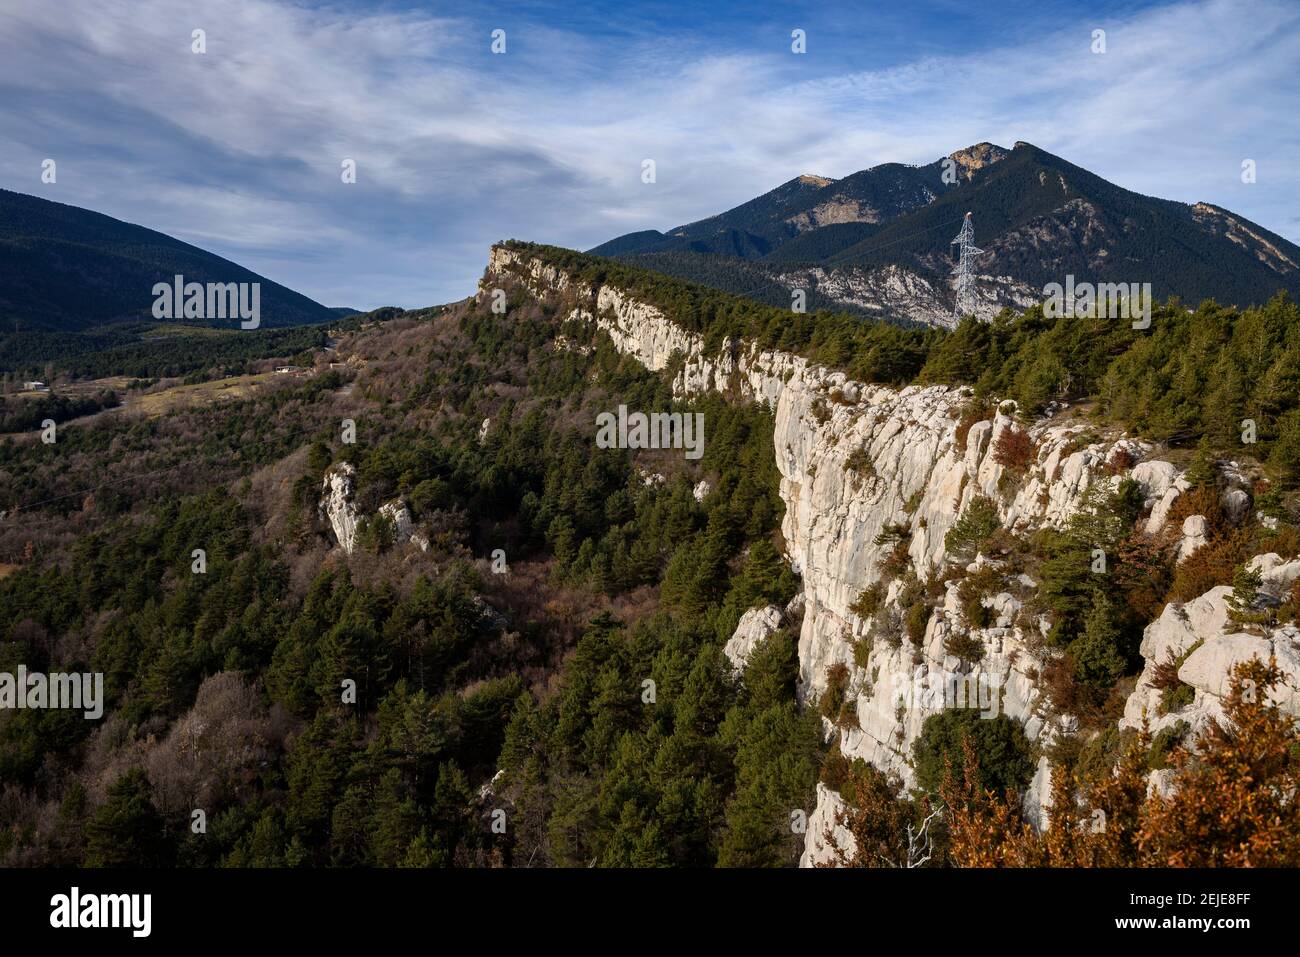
(977, 157)
(811, 179)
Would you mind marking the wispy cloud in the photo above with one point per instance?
(239, 149)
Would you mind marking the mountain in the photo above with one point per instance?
(878, 242)
(63, 268)
(768, 226)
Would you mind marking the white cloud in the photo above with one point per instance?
(239, 149)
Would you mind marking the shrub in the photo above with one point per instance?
(1164, 743)
(1014, 450)
(971, 593)
(837, 686)
(1060, 688)
(1097, 756)
(1120, 461)
(862, 651)
(918, 616)
(1246, 583)
(429, 495)
(897, 560)
(1204, 470)
(1005, 755)
(888, 627)
(964, 646)
(835, 769)
(1202, 500)
(1098, 658)
(868, 601)
(976, 525)
(377, 534)
(1177, 698)
(1210, 565)
(859, 460)
(1175, 695)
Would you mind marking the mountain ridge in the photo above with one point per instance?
(861, 242)
(67, 268)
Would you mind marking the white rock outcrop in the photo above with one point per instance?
(754, 627)
(336, 506)
(1209, 644)
(403, 525)
(825, 833)
(1196, 532)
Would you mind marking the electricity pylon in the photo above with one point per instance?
(965, 271)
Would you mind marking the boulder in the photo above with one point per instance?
(754, 627)
(1196, 533)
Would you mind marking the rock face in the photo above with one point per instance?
(403, 525)
(337, 507)
(895, 290)
(1196, 532)
(919, 477)
(336, 503)
(822, 821)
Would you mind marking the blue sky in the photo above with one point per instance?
(238, 150)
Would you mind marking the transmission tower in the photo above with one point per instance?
(965, 271)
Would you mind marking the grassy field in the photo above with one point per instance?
(200, 394)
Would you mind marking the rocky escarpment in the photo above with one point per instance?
(875, 478)
(1205, 643)
(899, 292)
(338, 509)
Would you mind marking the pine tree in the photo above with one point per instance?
(128, 831)
(1204, 470)
(1246, 582)
(1098, 662)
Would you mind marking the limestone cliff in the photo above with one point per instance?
(869, 473)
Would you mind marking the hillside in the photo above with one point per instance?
(879, 242)
(634, 657)
(63, 268)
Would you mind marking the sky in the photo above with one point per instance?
(240, 149)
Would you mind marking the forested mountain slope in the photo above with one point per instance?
(879, 242)
(66, 269)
